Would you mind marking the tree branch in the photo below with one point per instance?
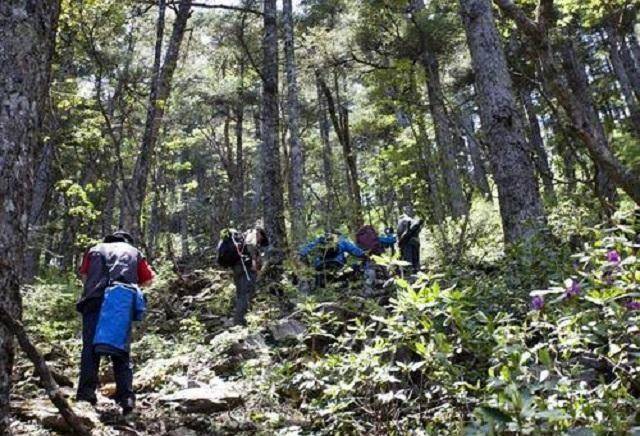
(43, 371)
(208, 6)
(526, 24)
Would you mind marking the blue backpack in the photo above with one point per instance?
(122, 305)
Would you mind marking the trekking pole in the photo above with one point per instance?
(244, 267)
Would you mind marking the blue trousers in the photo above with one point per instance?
(90, 365)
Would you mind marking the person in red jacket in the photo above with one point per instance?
(115, 260)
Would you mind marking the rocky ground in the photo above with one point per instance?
(195, 374)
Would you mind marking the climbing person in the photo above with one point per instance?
(388, 240)
(373, 244)
(243, 253)
(329, 254)
(115, 261)
(408, 237)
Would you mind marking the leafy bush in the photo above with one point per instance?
(448, 354)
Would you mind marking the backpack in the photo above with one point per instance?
(231, 248)
(328, 248)
(367, 239)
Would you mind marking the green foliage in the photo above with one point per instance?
(449, 354)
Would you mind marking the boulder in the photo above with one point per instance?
(287, 329)
(219, 396)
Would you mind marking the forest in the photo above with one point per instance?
(471, 167)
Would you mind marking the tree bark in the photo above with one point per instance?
(296, 192)
(134, 194)
(571, 90)
(238, 196)
(272, 192)
(444, 137)
(537, 145)
(478, 172)
(327, 155)
(339, 116)
(584, 113)
(428, 162)
(41, 188)
(626, 87)
(631, 67)
(27, 36)
(520, 204)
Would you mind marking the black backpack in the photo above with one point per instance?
(328, 248)
(231, 248)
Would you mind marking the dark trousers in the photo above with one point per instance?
(90, 365)
(325, 272)
(245, 288)
(410, 252)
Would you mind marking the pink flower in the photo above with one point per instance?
(633, 305)
(572, 288)
(613, 256)
(537, 302)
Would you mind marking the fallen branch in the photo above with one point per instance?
(50, 385)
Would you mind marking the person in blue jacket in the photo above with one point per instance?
(388, 240)
(329, 253)
(114, 263)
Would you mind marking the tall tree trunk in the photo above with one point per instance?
(631, 67)
(443, 131)
(154, 220)
(520, 204)
(570, 86)
(41, 187)
(109, 205)
(584, 113)
(256, 203)
(327, 155)
(537, 145)
(238, 196)
(296, 192)
(444, 137)
(478, 172)
(27, 35)
(339, 116)
(272, 192)
(626, 87)
(429, 164)
(135, 192)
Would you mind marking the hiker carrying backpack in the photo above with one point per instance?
(367, 239)
(111, 272)
(231, 248)
(241, 253)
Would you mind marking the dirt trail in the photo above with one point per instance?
(194, 373)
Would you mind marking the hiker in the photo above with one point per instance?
(115, 261)
(388, 240)
(329, 253)
(408, 237)
(368, 239)
(242, 252)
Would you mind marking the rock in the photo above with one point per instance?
(182, 431)
(47, 415)
(106, 374)
(220, 396)
(232, 347)
(287, 329)
(157, 371)
(108, 390)
(192, 283)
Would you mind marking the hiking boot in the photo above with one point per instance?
(127, 407)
